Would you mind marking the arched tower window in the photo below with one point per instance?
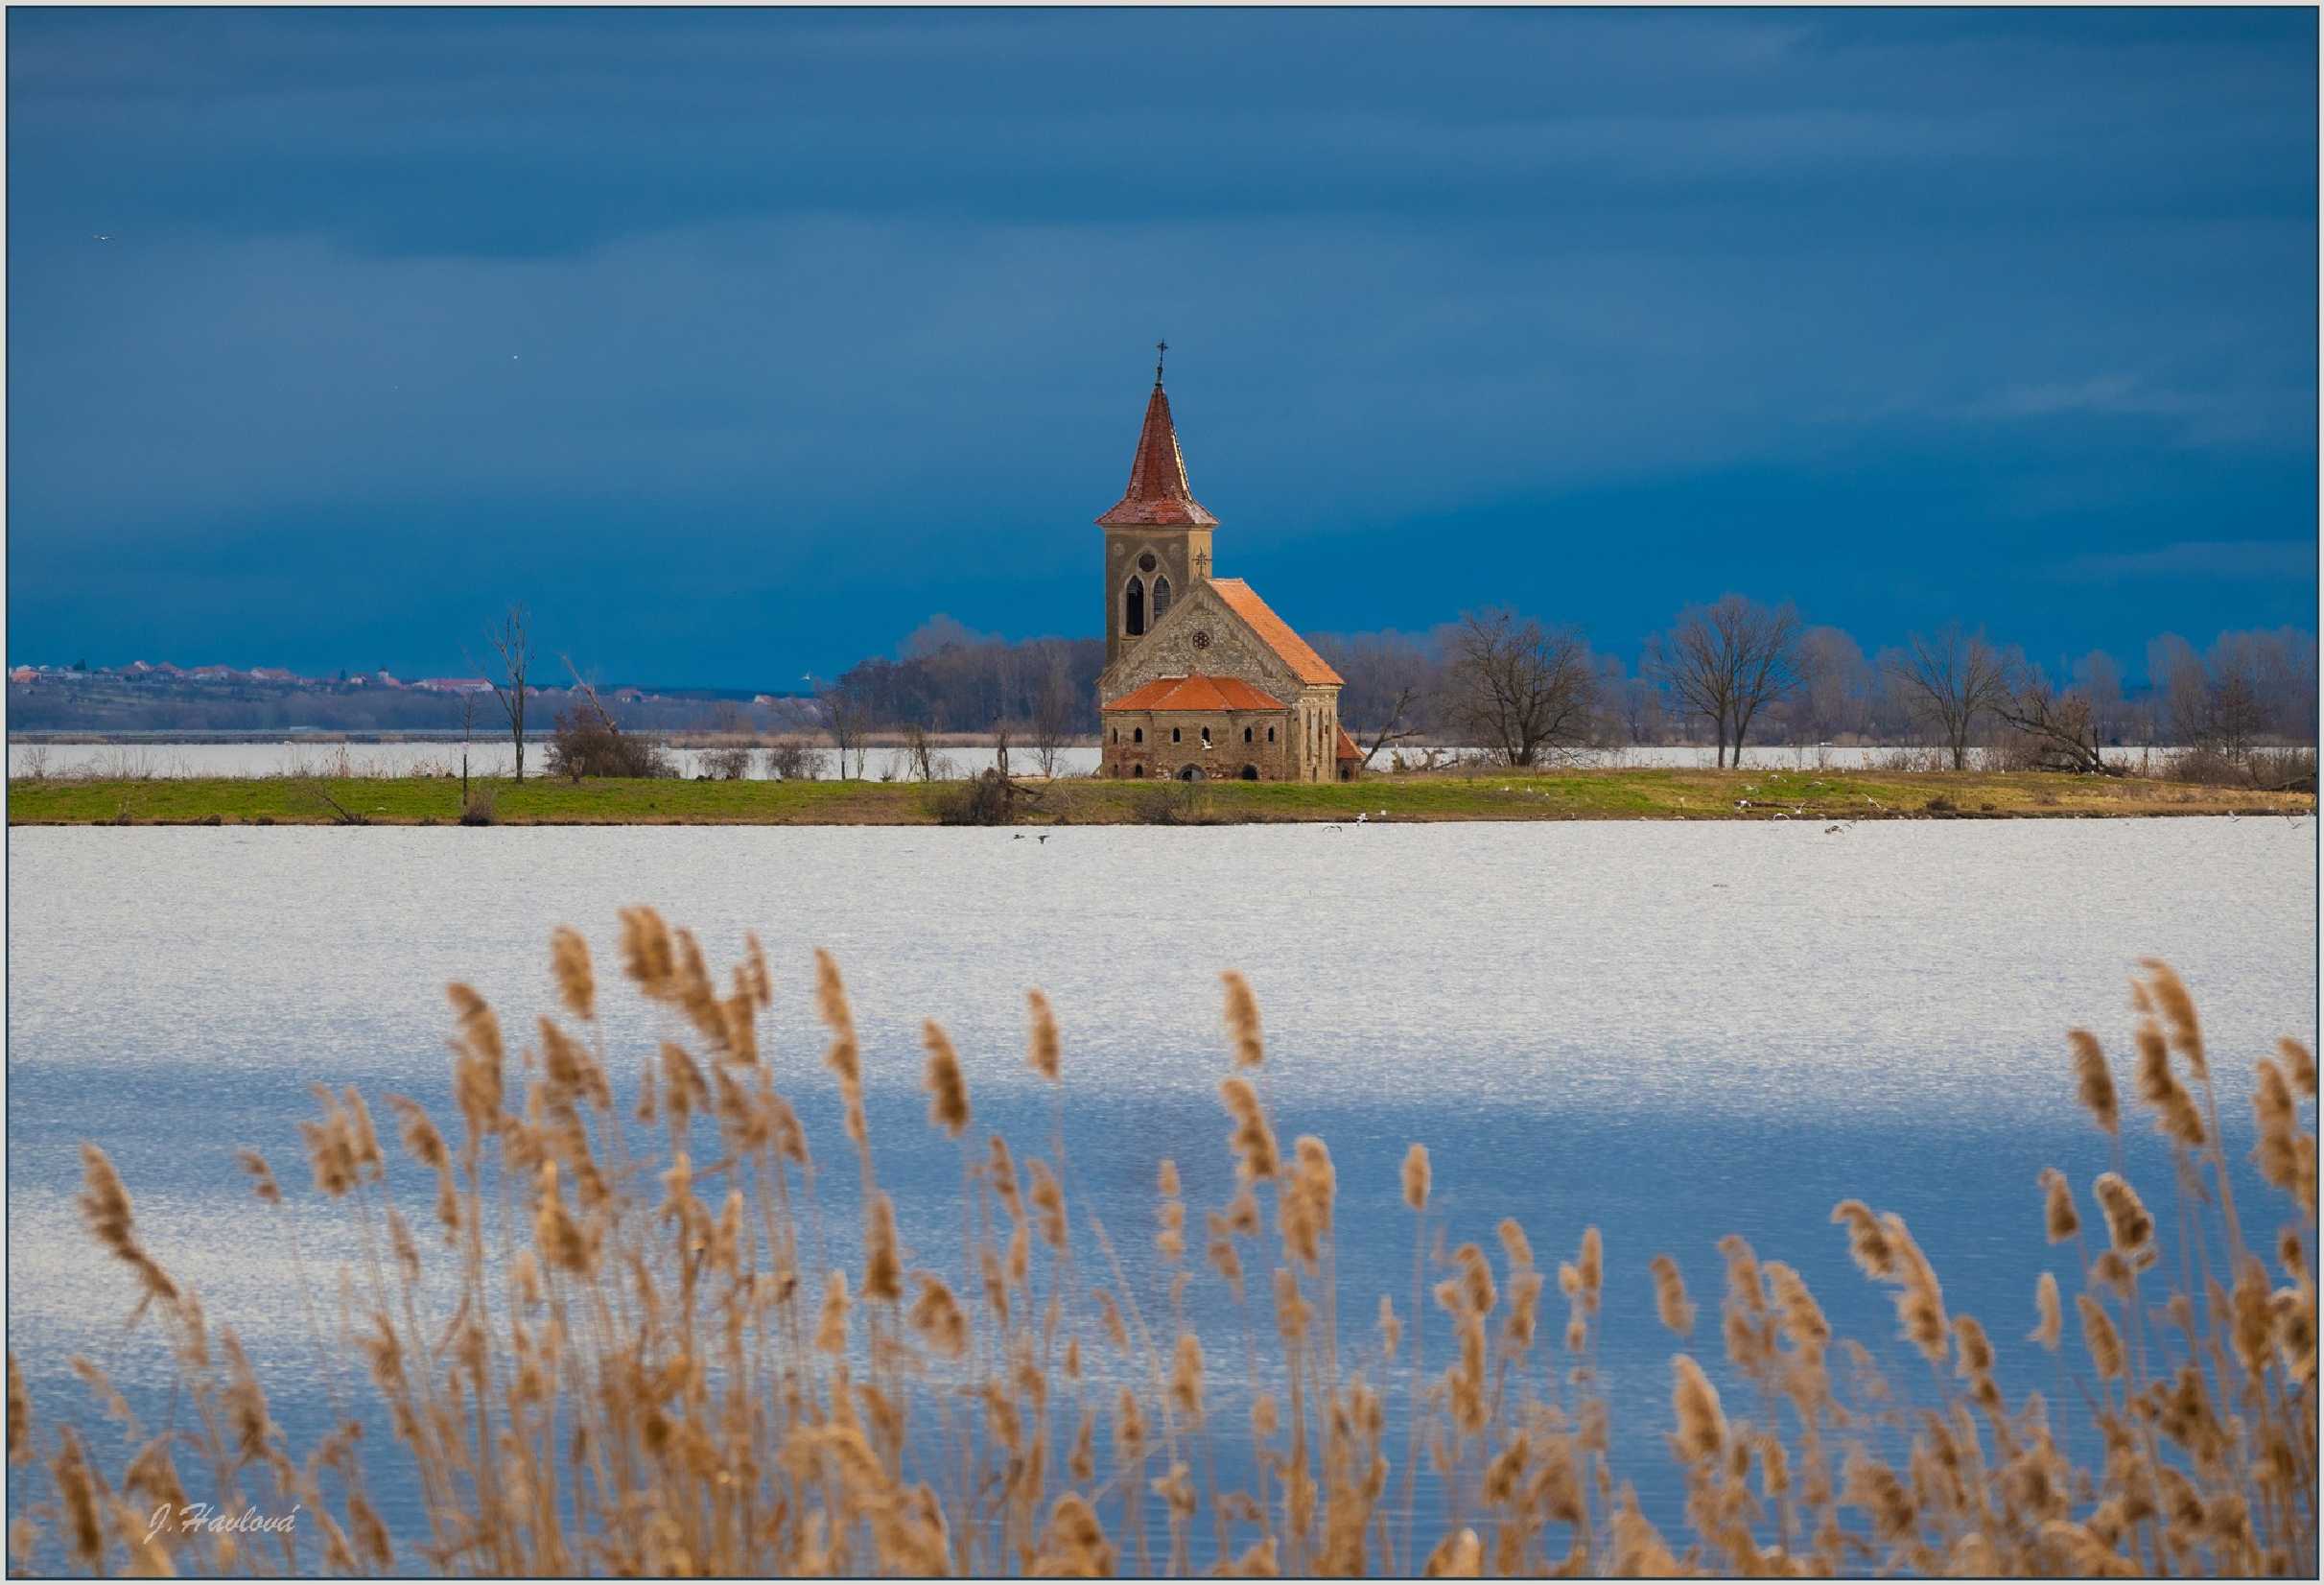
(1162, 595)
(1138, 734)
(1133, 608)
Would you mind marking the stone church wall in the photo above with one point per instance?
(1223, 760)
(1231, 651)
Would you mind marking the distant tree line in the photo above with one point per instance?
(1725, 674)
(1737, 672)
(946, 678)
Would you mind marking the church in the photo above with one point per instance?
(1202, 680)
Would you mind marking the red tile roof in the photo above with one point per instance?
(1347, 749)
(1246, 604)
(1195, 693)
(1159, 494)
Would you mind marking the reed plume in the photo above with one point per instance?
(1043, 1049)
(2096, 1081)
(1253, 1141)
(2060, 1221)
(2049, 1319)
(2100, 1339)
(1242, 1021)
(2300, 1063)
(1416, 1178)
(1671, 1302)
(1701, 1428)
(575, 981)
(2128, 1226)
(947, 1091)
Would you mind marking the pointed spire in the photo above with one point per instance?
(1158, 495)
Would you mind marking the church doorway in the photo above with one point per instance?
(1137, 770)
(1249, 772)
(1191, 774)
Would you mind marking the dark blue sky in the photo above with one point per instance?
(740, 343)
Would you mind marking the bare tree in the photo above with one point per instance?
(1638, 702)
(1835, 694)
(467, 734)
(2061, 729)
(1952, 682)
(2099, 678)
(1052, 714)
(2175, 673)
(917, 754)
(848, 718)
(1523, 691)
(512, 638)
(1398, 726)
(1726, 662)
(1388, 682)
(588, 742)
(2261, 685)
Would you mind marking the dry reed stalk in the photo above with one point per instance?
(619, 1375)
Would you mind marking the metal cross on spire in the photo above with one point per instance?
(1160, 347)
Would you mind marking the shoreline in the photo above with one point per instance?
(1502, 796)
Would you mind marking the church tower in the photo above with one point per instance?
(1158, 537)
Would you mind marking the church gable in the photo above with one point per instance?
(1203, 632)
(1276, 634)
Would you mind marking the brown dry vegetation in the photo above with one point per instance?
(645, 1368)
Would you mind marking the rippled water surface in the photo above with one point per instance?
(1669, 1030)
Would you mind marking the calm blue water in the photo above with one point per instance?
(1669, 1030)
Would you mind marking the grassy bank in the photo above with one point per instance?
(1573, 795)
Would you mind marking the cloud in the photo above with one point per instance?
(2114, 394)
(838, 300)
(2232, 560)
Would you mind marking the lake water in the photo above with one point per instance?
(1669, 1030)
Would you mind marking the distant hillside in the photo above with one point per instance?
(218, 698)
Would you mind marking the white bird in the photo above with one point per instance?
(103, 236)
(1360, 819)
